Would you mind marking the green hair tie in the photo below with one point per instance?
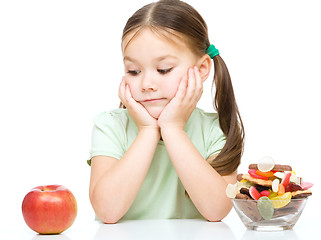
(212, 51)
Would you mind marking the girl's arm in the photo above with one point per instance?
(204, 185)
(115, 183)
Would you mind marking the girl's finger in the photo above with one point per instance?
(198, 84)
(191, 84)
(128, 96)
(121, 91)
(181, 91)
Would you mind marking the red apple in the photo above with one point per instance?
(49, 209)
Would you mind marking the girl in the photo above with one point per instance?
(159, 156)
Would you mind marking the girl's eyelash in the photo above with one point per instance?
(161, 71)
(164, 71)
(133, 72)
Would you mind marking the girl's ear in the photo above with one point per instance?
(204, 66)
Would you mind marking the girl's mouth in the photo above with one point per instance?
(153, 100)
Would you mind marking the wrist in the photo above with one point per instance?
(170, 131)
(150, 131)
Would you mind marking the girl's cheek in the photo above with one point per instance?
(172, 86)
(131, 81)
(131, 87)
(128, 79)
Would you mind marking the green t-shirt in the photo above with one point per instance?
(162, 195)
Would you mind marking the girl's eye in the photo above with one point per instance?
(133, 72)
(164, 71)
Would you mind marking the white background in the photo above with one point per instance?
(61, 64)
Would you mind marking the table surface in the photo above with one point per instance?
(231, 228)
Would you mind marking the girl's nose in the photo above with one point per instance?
(148, 83)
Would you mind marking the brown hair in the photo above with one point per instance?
(178, 18)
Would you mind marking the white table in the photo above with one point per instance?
(231, 228)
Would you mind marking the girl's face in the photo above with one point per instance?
(154, 67)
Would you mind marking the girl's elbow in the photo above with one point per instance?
(217, 216)
(110, 219)
(214, 219)
(107, 217)
(107, 214)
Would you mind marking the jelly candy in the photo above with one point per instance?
(295, 179)
(275, 185)
(306, 185)
(272, 194)
(266, 164)
(253, 174)
(265, 207)
(265, 193)
(254, 193)
(231, 190)
(281, 201)
(286, 179)
(279, 174)
(265, 174)
(246, 184)
(292, 187)
(281, 190)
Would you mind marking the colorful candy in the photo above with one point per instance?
(265, 174)
(281, 201)
(286, 179)
(265, 207)
(253, 174)
(271, 186)
(265, 193)
(275, 185)
(306, 185)
(279, 174)
(254, 193)
(272, 194)
(295, 179)
(281, 189)
(231, 190)
(292, 187)
(266, 164)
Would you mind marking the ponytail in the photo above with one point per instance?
(230, 120)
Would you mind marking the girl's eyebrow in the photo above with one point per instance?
(158, 59)
(161, 58)
(126, 58)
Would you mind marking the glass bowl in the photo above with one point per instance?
(282, 219)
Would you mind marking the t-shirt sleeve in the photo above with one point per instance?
(107, 137)
(215, 140)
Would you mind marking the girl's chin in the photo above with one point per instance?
(154, 112)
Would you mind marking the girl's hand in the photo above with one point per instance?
(139, 114)
(179, 109)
